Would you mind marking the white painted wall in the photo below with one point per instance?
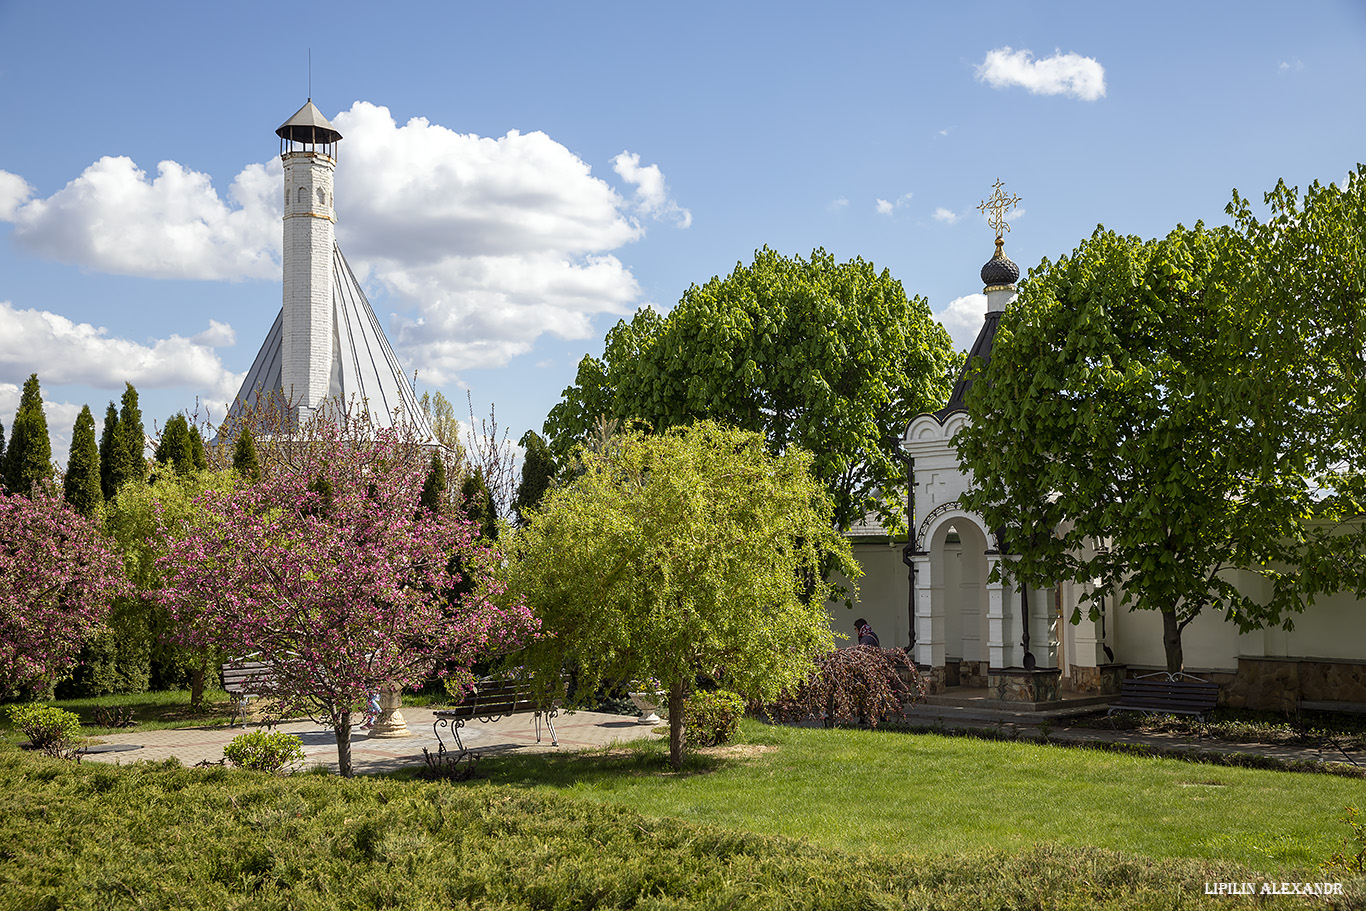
(882, 595)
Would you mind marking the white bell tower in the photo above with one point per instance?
(308, 147)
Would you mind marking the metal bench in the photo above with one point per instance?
(1166, 694)
(492, 698)
(242, 680)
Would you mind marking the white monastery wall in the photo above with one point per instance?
(882, 597)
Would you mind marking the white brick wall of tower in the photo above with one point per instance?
(309, 232)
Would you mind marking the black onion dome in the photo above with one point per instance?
(999, 270)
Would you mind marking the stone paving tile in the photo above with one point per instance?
(513, 733)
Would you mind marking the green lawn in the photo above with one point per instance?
(798, 818)
(149, 711)
(868, 792)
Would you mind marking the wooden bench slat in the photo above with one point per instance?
(1165, 696)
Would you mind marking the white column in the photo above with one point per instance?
(997, 651)
(924, 615)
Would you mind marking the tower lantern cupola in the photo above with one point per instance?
(308, 131)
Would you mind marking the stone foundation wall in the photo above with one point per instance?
(1279, 684)
(935, 679)
(1100, 681)
(1024, 686)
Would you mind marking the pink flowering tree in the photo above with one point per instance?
(58, 577)
(330, 571)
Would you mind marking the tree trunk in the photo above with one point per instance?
(676, 732)
(197, 683)
(344, 744)
(1171, 641)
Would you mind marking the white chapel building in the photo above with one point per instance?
(931, 595)
(326, 343)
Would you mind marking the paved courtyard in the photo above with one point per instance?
(514, 733)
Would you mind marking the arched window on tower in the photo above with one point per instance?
(322, 197)
(303, 196)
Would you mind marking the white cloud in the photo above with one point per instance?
(1061, 74)
(838, 204)
(484, 244)
(963, 317)
(65, 352)
(14, 192)
(112, 218)
(652, 194)
(1291, 65)
(948, 216)
(884, 207)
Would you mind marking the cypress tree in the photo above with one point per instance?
(538, 472)
(176, 446)
(2, 442)
(82, 486)
(434, 488)
(200, 458)
(28, 458)
(478, 505)
(128, 447)
(111, 421)
(244, 460)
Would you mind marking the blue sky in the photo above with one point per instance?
(517, 177)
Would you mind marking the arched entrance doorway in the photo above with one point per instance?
(959, 597)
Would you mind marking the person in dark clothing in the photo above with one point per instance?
(866, 636)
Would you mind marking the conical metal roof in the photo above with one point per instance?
(308, 125)
(364, 368)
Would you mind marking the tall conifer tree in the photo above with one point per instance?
(176, 447)
(111, 421)
(244, 460)
(434, 488)
(128, 447)
(479, 506)
(2, 442)
(28, 458)
(200, 458)
(82, 487)
(538, 472)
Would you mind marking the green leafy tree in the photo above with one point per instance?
(128, 443)
(176, 446)
(832, 357)
(538, 473)
(143, 519)
(1305, 291)
(111, 422)
(692, 552)
(82, 484)
(433, 497)
(1135, 436)
(244, 460)
(2, 442)
(28, 460)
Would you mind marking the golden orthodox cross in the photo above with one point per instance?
(996, 207)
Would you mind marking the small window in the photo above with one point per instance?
(322, 197)
(303, 196)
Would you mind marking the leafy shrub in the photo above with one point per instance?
(712, 718)
(49, 728)
(1352, 858)
(264, 752)
(860, 685)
